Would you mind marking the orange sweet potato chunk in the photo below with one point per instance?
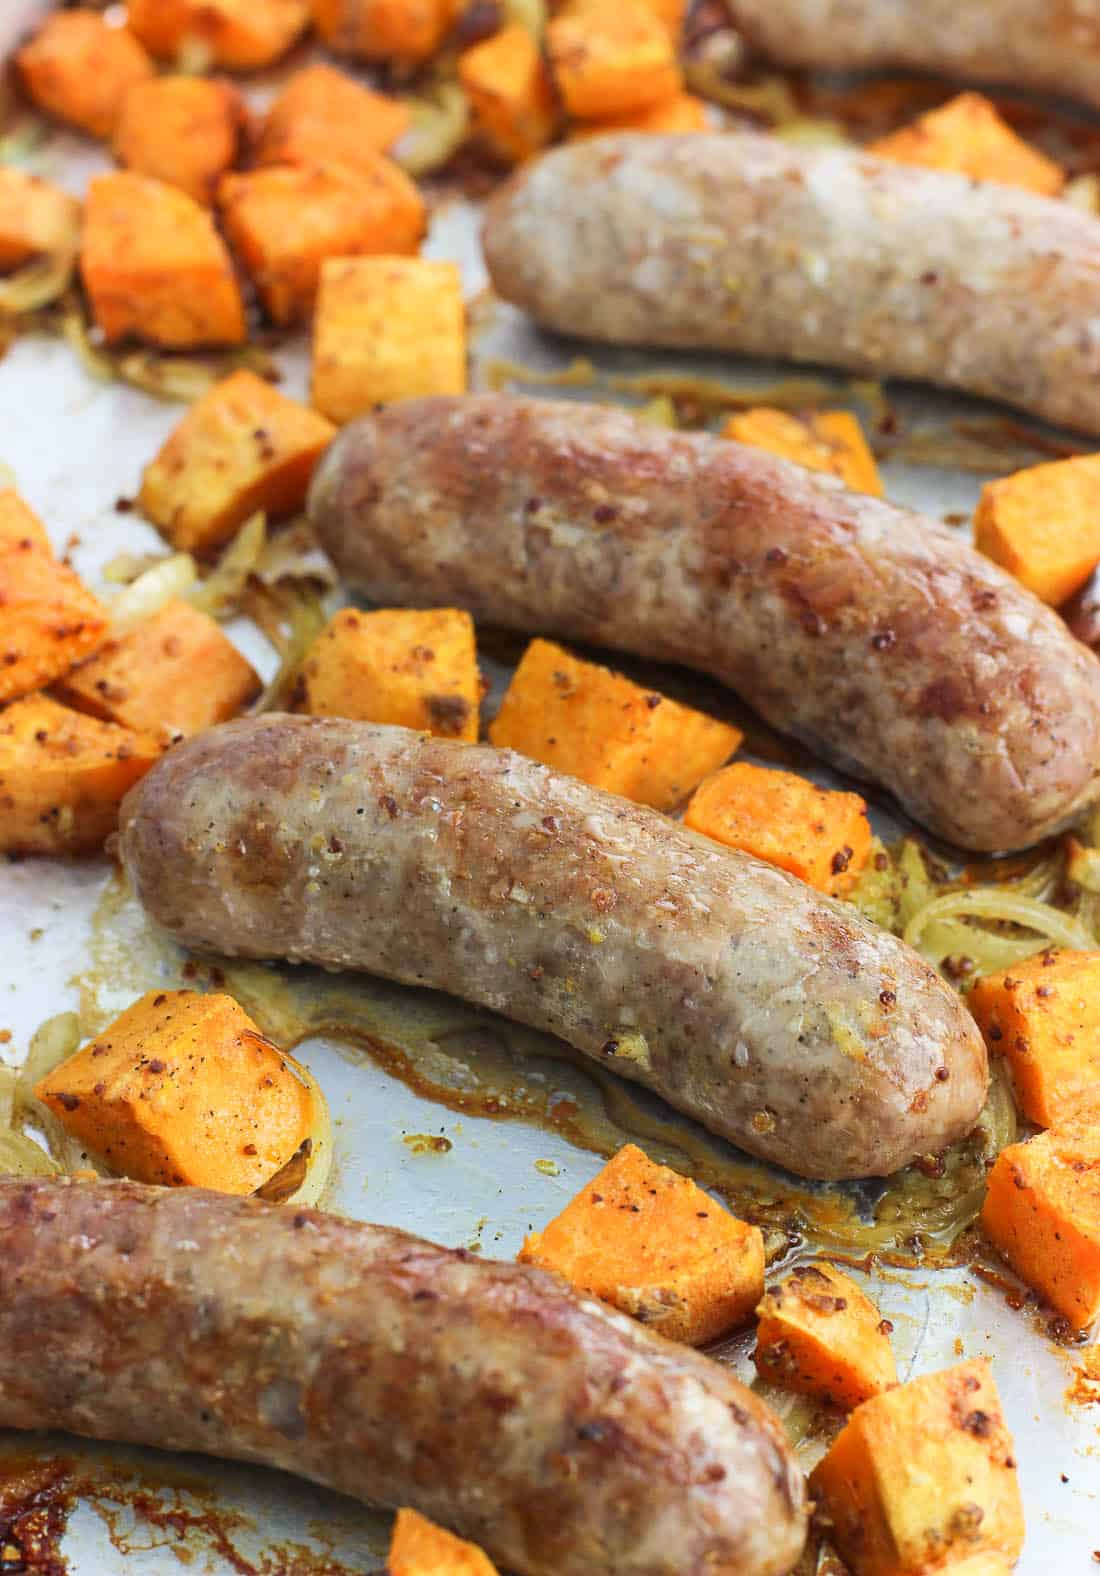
(63, 776)
(601, 727)
(821, 835)
(412, 668)
(420, 1548)
(154, 266)
(509, 91)
(825, 440)
(820, 1334)
(173, 674)
(79, 68)
(48, 618)
(612, 59)
(1043, 1016)
(1043, 525)
(184, 1090)
(182, 130)
(36, 219)
(967, 135)
(286, 222)
(240, 448)
(1042, 1211)
(323, 116)
(923, 1478)
(241, 35)
(654, 1245)
(403, 30)
(683, 113)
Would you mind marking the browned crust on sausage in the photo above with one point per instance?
(876, 635)
(565, 1439)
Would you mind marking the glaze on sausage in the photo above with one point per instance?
(778, 1018)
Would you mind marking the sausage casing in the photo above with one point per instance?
(780, 1019)
(742, 242)
(1025, 43)
(564, 1438)
(877, 636)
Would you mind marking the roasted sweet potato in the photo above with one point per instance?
(184, 1090)
(154, 266)
(509, 91)
(416, 669)
(407, 31)
(820, 1334)
(819, 834)
(386, 328)
(323, 116)
(182, 130)
(1043, 525)
(285, 222)
(1042, 1210)
(36, 219)
(240, 448)
(63, 776)
(652, 1243)
(242, 35)
(173, 674)
(79, 67)
(923, 1478)
(601, 727)
(822, 440)
(968, 135)
(611, 59)
(685, 112)
(420, 1548)
(48, 618)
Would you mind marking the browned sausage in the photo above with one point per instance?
(1046, 44)
(743, 242)
(564, 1438)
(779, 1018)
(877, 636)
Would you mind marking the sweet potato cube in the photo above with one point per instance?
(1042, 1211)
(324, 116)
(820, 1334)
(174, 673)
(509, 91)
(36, 219)
(285, 222)
(48, 619)
(242, 35)
(63, 776)
(606, 730)
(612, 59)
(818, 834)
(181, 130)
(653, 1244)
(1043, 1016)
(420, 1548)
(155, 267)
(411, 668)
(923, 1478)
(80, 68)
(825, 440)
(683, 113)
(967, 135)
(387, 328)
(1043, 525)
(404, 30)
(241, 447)
(184, 1090)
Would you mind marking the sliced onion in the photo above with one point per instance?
(1052, 927)
(220, 594)
(38, 284)
(171, 578)
(440, 122)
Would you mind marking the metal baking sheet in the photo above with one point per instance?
(76, 447)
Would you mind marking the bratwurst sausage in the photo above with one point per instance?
(742, 242)
(878, 637)
(778, 1018)
(1030, 43)
(564, 1438)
